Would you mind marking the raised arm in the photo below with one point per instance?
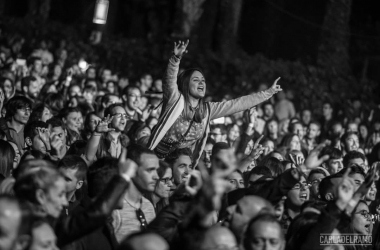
(93, 142)
(169, 84)
(221, 109)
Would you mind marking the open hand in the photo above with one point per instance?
(258, 149)
(180, 48)
(346, 189)
(313, 160)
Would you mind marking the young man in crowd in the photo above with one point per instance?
(180, 161)
(131, 97)
(355, 157)
(137, 211)
(315, 177)
(30, 87)
(349, 142)
(335, 162)
(312, 134)
(74, 169)
(106, 101)
(218, 133)
(268, 111)
(57, 138)
(18, 112)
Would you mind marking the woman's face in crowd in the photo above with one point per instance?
(46, 115)
(144, 132)
(55, 198)
(43, 238)
(57, 70)
(89, 96)
(234, 133)
(197, 85)
(164, 185)
(306, 116)
(273, 127)
(295, 143)
(94, 121)
(299, 193)
(8, 88)
(73, 121)
(361, 220)
(236, 181)
(363, 131)
(371, 194)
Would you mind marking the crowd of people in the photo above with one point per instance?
(89, 160)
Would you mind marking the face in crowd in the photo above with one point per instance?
(164, 185)
(182, 168)
(146, 177)
(119, 118)
(197, 85)
(299, 193)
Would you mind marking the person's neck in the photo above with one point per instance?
(155, 199)
(16, 125)
(193, 101)
(293, 210)
(133, 194)
(273, 135)
(114, 135)
(328, 117)
(130, 112)
(368, 202)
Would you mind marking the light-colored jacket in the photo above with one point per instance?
(174, 103)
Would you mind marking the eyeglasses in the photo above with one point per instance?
(365, 214)
(300, 185)
(120, 115)
(25, 110)
(166, 180)
(141, 217)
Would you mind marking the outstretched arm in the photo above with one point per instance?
(170, 87)
(221, 109)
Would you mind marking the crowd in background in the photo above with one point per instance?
(76, 171)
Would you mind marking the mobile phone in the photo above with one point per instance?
(21, 62)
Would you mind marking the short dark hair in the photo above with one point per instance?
(218, 147)
(135, 151)
(16, 103)
(30, 129)
(260, 170)
(106, 98)
(109, 109)
(55, 122)
(172, 157)
(222, 127)
(100, 174)
(129, 88)
(326, 185)
(352, 155)
(316, 171)
(333, 152)
(25, 81)
(347, 134)
(74, 162)
(38, 112)
(355, 169)
(292, 125)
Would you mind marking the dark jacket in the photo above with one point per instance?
(75, 226)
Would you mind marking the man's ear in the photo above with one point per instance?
(79, 184)
(40, 196)
(124, 97)
(28, 142)
(25, 89)
(329, 197)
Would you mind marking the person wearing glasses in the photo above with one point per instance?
(108, 138)
(131, 97)
(298, 195)
(18, 109)
(185, 118)
(160, 196)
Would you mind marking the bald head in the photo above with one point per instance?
(147, 241)
(217, 237)
(246, 209)
(11, 215)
